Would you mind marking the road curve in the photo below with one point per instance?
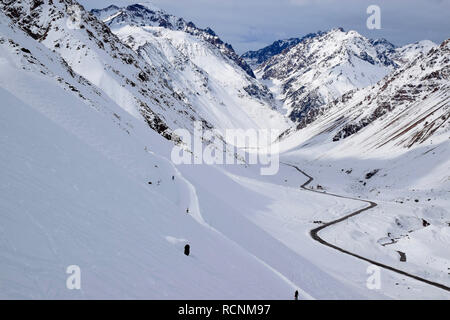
(315, 232)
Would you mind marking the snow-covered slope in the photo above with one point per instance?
(197, 68)
(75, 190)
(389, 143)
(258, 57)
(255, 58)
(401, 55)
(383, 46)
(86, 182)
(75, 169)
(149, 15)
(409, 52)
(93, 52)
(322, 68)
(409, 107)
(143, 90)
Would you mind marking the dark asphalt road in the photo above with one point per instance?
(315, 233)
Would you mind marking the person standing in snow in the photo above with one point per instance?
(296, 295)
(187, 249)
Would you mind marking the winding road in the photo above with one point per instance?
(315, 233)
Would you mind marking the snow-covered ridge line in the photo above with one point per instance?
(420, 88)
(95, 53)
(310, 72)
(408, 108)
(323, 67)
(197, 69)
(257, 57)
(147, 14)
(75, 191)
(164, 98)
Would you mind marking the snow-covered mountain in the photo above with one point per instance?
(408, 107)
(401, 55)
(322, 68)
(92, 51)
(199, 67)
(146, 14)
(86, 183)
(413, 103)
(409, 52)
(255, 58)
(308, 72)
(390, 143)
(86, 138)
(145, 89)
(386, 51)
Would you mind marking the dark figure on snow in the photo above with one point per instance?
(173, 177)
(296, 295)
(187, 249)
(187, 210)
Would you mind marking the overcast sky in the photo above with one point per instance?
(252, 24)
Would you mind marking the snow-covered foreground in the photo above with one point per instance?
(68, 197)
(75, 193)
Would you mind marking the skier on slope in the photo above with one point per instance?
(296, 295)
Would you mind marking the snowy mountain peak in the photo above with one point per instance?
(87, 186)
(383, 44)
(255, 58)
(145, 14)
(409, 52)
(339, 30)
(95, 53)
(406, 108)
(322, 68)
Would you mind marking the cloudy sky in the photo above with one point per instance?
(252, 24)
